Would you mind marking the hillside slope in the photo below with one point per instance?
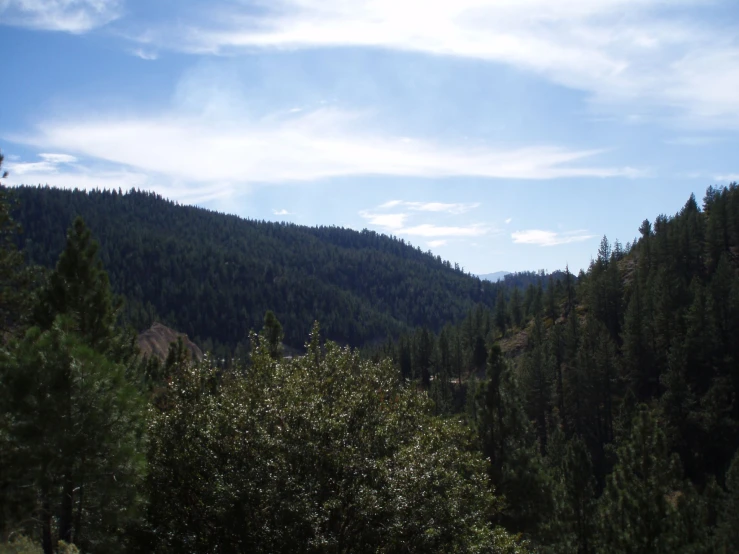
(213, 276)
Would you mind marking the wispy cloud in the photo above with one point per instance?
(549, 238)
(430, 230)
(395, 223)
(390, 222)
(622, 52)
(281, 212)
(728, 178)
(85, 178)
(692, 141)
(72, 16)
(66, 171)
(306, 146)
(436, 243)
(148, 55)
(507, 221)
(439, 207)
(49, 164)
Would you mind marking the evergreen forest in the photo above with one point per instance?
(360, 395)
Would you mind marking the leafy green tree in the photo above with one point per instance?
(323, 452)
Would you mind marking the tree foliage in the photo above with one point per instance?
(324, 452)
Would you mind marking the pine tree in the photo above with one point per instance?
(15, 277)
(515, 308)
(501, 312)
(80, 289)
(640, 508)
(508, 441)
(538, 380)
(76, 435)
(727, 531)
(75, 368)
(573, 525)
(552, 308)
(273, 334)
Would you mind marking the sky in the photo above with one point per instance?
(498, 134)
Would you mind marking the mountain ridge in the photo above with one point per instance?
(213, 276)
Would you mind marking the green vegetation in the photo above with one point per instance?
(595, 415)
(214, 276)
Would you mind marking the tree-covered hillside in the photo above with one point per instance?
(213, 276)
(614, 425)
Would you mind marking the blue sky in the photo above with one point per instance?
(499, 134)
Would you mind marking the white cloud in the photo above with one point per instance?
(84, 179)
(73, 16)
(395, 223)
(456, 209)
(436, 243)
(65, 171)
(549, 238)
(50, 164)
(301, 147)
(281, 212)
(451, 208)
(430, 230)
(507, 221)
(649, 52)
(391, 222)
(390, 204)
(148, 55)
(728, 178)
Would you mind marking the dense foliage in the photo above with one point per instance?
(214, 276)
(629, 382)
(596, 415)
(326, 452)
(321, 453)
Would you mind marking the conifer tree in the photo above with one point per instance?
(15, 277)
(80, 289)
(639, 510)
(509, 442)
(516, 308)
(552, 309)
(273, 334)
(501, 312)
(76, 436)
(727, 531)
(573, 523)
(538, 380)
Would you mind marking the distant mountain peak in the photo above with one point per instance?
(494, 277)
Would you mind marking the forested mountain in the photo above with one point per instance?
(213, 276)
(589, 415)
(103, 451)
(614, 426)
(494, 277)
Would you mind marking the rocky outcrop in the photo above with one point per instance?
(155, 341)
